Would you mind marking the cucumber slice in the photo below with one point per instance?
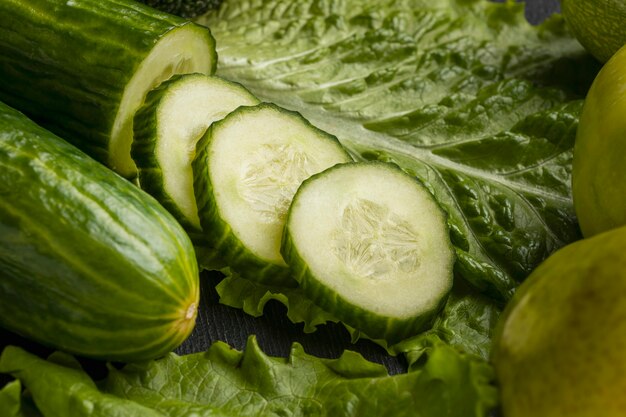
(82, 68)
(248, 167)
(167, 128)
(369, 244)
(185, 49)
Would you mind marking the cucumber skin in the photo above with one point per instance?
(149, 172)
(89, 263)
(67, 66)
(371, 325)
(150, 175)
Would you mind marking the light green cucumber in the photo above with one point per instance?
(167, 128)
(82, 68)
(247, 168)
(369, 244)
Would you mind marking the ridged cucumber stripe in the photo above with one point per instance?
(167, 341)
(72, 304)
(85, 335)
(142, 13)
(12, 39)
(97, 140)
(188, 267)
(137, 16)
(108, 92)
(13, 43)
(8, 168)
(79, 263)
(65, 301)
(135, 206)
(98, 146)
(83, 316)
(89, 332)
(170, 334)
(70, 121)
(17, 122)
(104, 37)
(173, 336)
(108, 89)
(125, 200)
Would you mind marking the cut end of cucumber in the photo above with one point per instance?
(257, 157)
(186, 49)
(190, 105)
(370, 244)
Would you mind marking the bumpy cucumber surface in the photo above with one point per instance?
(83, 67)
(247, 169)
(89, 263)
(167, 129)
(369, 244)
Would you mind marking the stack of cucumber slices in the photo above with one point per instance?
(282, 203)
(256, 187)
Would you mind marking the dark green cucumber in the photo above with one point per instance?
(247, 168)
(82, 68)
(167, 128)
(89, 263)
(185, 8)
(370, 245)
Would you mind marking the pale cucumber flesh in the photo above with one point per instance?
(190, 106)
(371, 236)
(257, 158)
(182, 50)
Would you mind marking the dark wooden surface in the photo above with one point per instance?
(273, 330)
(538, 10)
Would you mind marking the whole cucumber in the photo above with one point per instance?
(89, 263)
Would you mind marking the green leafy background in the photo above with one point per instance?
(464, 94)
(225, 382)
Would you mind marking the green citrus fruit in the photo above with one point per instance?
(599, 166)
(560, 348)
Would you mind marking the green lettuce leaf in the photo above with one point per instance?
(60, 388)
(224, 382)
(466, 322)
(13, 404)
(251, 297)
(10, 399)
(249, 383)
(466, 95)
